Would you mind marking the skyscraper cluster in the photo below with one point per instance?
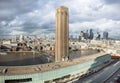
(85, 35)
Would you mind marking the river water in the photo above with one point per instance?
(23, 60)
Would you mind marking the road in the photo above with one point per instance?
(114, 77)
(102, 75)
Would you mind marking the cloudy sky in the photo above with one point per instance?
(34, 17)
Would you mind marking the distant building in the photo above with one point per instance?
(79, 39)
(86, 35)
(14, 39)
(6, 42)
(98, 36)
(62, 34)
(71, 37)
(91, 34)
(21, 38)
(105, 35)
(81, 35)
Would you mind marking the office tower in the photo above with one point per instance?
(62, 34)
(98, 36)
(105, 35)
(91, 34)
(86, 35)
(82, 35)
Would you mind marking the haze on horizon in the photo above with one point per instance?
(35, 17)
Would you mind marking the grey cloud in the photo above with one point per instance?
(30, 27)
(42, 21)
(112, 1)
(10, 8)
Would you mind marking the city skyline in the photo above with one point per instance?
(35, 17)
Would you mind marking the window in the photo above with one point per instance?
(18, 80)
